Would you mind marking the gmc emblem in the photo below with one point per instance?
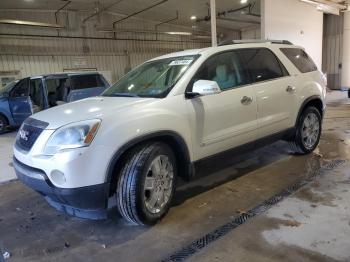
(23, 134)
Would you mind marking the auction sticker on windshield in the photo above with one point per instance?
(181, 62)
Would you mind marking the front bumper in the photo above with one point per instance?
(85, 202)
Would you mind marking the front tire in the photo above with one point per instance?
(3, 124)
(308, 131)
(147, 184)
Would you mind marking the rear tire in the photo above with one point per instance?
(147, 184)
(3, 124)
(308, 131)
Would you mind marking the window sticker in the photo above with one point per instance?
(181, 62)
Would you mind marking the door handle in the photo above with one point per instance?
(290, 89)
(246, 100)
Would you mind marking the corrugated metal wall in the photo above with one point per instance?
(32, 56)
(40, 55)
(332, 49)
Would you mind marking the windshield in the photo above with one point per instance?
(8, 87)
(152, 79)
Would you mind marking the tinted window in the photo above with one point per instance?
(226, 69)
(262, 64)
(21, 88)
(300, 59)
(86, 81)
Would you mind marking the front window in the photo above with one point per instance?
(152, 79)
(226, 69)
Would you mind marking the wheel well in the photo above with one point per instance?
(176, 143)
(317, 103)
(313, 101)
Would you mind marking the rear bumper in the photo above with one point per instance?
(85, 202)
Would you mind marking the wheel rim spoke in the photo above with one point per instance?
(156, 167)
(161, 198)
(153, 200)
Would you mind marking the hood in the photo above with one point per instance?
(90, 108)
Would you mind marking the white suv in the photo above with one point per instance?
(161, 118)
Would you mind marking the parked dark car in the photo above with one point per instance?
(22, 98)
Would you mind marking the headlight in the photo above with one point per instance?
(74, 135)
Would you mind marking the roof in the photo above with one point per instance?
(65, 74)
(234, 45)
(180, 53)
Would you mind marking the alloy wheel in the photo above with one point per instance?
(158, 184)
(310, 130)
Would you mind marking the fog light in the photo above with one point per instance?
(58, 177)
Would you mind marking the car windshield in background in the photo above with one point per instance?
(152, 79)
(8, 86)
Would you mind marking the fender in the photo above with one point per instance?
(183, 151)
(306, 101)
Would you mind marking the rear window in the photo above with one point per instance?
(300, 59)
(86, 81)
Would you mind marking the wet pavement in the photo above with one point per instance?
(6, 172)
(312, 224)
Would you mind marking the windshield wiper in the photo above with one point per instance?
(122, 95)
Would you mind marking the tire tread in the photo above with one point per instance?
(127, 184)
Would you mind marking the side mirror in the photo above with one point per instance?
(204, 88)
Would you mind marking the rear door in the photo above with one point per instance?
(274, 88)
(20, 102)
(83, 86)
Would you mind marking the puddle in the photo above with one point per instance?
(307, 194)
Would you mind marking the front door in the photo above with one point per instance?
(19, 101)
(228, 119)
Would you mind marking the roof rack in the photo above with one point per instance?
(250, 41)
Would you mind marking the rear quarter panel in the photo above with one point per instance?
(307, 84)
(310, 85)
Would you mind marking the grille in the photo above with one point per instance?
(29, 133)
